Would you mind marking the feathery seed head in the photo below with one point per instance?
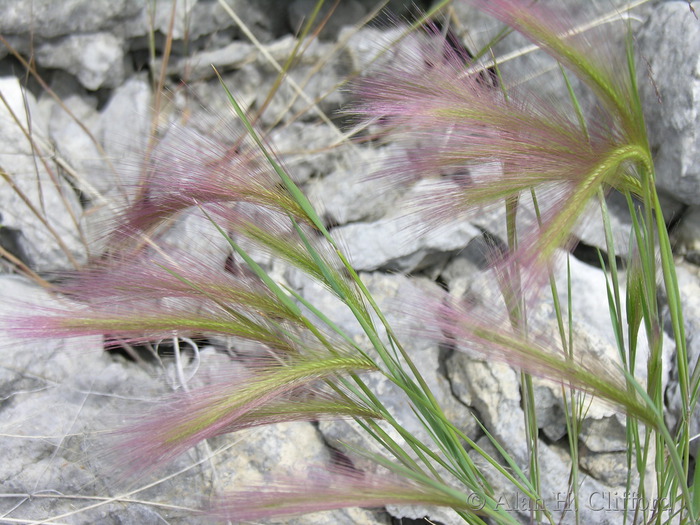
(330, 489)
(268, 394)
(454, 122)
(188, 168)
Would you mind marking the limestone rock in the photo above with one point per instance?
(52, 198)
(397, 242)
(49, 19)
(350, 194)
(97, 59)
(670, 44)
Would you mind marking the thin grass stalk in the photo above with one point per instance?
(160, 81)
(318, 66)
(152, 39)
(23, 268)
(572, 412)
(518, 317)
(615, 303)
(282, 73)
(158, 88)
(297, 89)
(615, 308)
(669, 444)
(395, 370)
(359, 314)
(570, 398)
(679, 448)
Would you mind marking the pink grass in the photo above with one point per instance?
(174, 274)
(587, 54)
(235, 401)
(324, 490)
(483, 145)
(189, 169)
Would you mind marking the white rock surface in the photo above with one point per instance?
(670, 43)
(50, 197)
(96, 59)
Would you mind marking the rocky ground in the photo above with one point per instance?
(88, 107)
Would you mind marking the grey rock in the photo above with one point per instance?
(605, 435)
(549, 409)
(52, 198)
(687, 234)
(591, 230)
(670, 43)
(266, 19)
(97, 59)
(588, 297)
(350, 516)
(609, 468)
(369, 249)
(281, 452)
(204, 105)
(346, 13)
(193, 233)
(123, 131)
(369, 49)
(57, 398)
(399, 8)
(520, 63)
(308, 88)
(50, 19)
(555, 467)
(459, 272)
(107, 173)
(398, 243)
(442, 515)
(310, 150)
(85, 163)
(493, 389)
(191, 19)
(602, 429)
(199, 66)
(350, 194)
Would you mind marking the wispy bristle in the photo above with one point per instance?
(587, 53)
(188, 168)
(231, 404)
(324, 490)
(173, 274)
(487, 333)
(483, 144)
